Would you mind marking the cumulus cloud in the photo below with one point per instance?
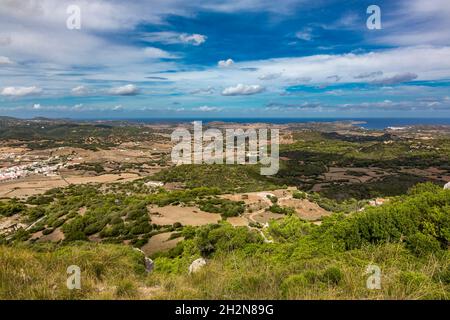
(315, 70)
(20, 91)
(396, 79)
(225, 63)
(242, 89)
(195, 39)
(80, 90)
(170, 37)
(127, 90)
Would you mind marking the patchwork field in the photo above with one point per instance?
(33, 185)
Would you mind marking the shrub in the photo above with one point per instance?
(332, 275)
(272, 199)
(299, 195)
(11, 208)
(47, 231)
(226, 208)
(281, 210)
(422, 244)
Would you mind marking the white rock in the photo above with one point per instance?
(149, 264)
(447, 186)
(196, 265)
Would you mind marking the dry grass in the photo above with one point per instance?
(116, 272)
(403, 278)
(105, 272)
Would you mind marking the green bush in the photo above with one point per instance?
(332, 275)
(272, 199)
(11, 208)
(422, 244)
(47, 231)
(275, 208)
(299, 195)
(226, 208)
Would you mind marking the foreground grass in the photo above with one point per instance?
(343, 276)
(107, 272)
(116, 272)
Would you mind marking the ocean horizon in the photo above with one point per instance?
(366, 123)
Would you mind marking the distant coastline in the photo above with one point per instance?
(366, 123)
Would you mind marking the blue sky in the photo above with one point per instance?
(216, 59)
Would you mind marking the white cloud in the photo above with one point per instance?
(225, 63)
(5, 60)
(195, 39)
(127, 90)
(416, 22)
(156, 53)
(270, 76)
(20, 91)
(207, 109)
(316, 69)
(171, 37)
(242, 89)
(305, 34)
(80, 90)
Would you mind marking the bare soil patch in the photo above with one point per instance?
(305, 209)
(188, 216)
(238, 221)
(160, 242)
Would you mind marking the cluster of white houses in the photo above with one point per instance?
(16, 172)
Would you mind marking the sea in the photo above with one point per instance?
(367, 123)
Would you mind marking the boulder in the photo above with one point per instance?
(196, 265)
(149, 264)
